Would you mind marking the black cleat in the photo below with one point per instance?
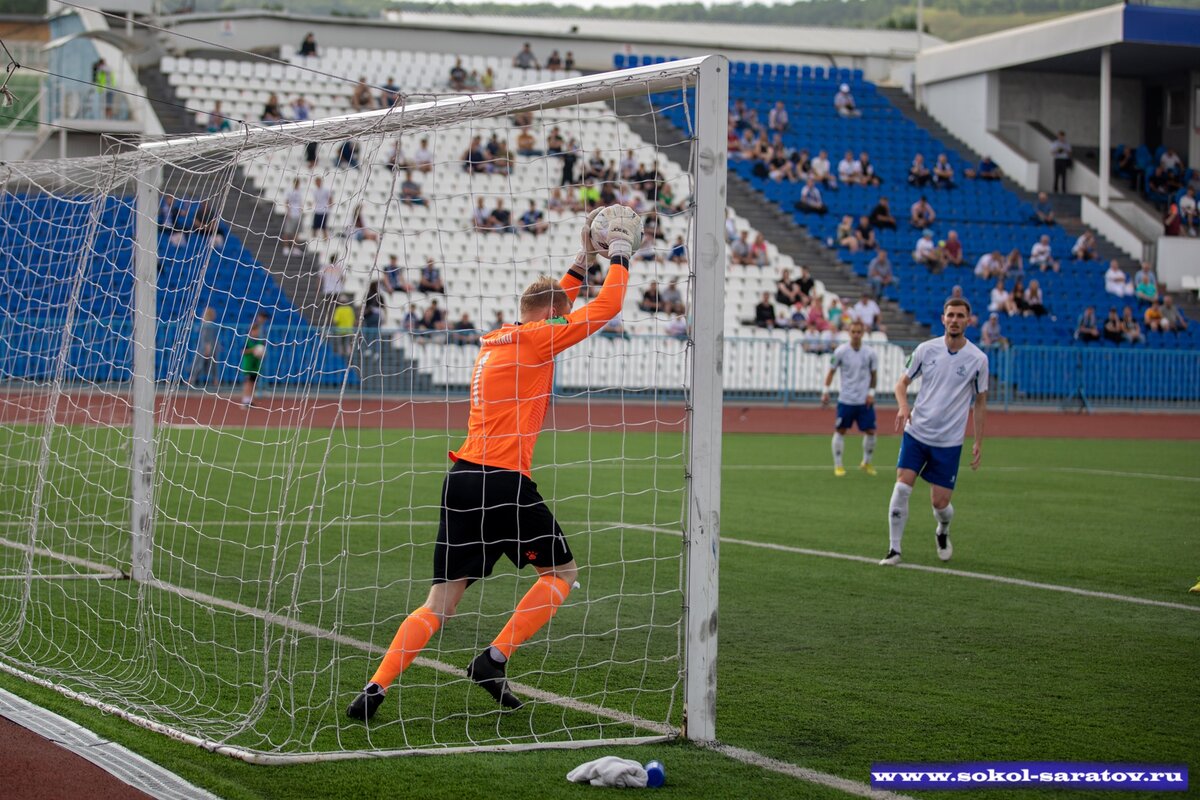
(367, 703)
(491, 676)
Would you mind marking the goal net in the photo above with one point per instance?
(226, 560)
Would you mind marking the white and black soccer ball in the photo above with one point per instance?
(623, 214)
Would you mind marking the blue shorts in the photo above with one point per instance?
(847, 416)
(937, 465)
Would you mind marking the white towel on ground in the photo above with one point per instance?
(610, 771)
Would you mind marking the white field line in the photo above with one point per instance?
(804, 774)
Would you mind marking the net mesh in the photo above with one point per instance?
(293, 521)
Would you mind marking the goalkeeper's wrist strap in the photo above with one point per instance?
(870, 392)
(623, 260)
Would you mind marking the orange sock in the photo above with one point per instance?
(535, 610)
(412, 637)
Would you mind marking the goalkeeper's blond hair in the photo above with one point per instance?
(543, 293)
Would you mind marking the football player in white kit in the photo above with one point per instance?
(856, 400)
(954, 373)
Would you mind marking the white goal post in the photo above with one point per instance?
(197, 528)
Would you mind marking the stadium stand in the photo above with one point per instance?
(986, 215)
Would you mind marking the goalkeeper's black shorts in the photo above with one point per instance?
(488, 512)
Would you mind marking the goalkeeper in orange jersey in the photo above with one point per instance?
(490, 505)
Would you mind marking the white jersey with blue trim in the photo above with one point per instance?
(856, 367)
(949, 383)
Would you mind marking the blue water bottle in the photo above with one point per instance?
(655, 776)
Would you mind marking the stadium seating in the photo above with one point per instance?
(38, 275)
(985, 214)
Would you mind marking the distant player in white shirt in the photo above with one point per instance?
(856, 401)
(954, 373)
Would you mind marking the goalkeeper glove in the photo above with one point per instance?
(587, 250)
(620, 238)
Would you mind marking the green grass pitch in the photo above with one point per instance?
(825, 663)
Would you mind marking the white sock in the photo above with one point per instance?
(868, 448)
(898, 514)
(245, 399)
(839, 445)
(496, 655)
(943, 517)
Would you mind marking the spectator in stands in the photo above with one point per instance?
(921, 215)
(1153, 318)
(308, 47)
(990, 335)
(497, 322)
(615, 329)
(411, 321)
(999, 298)
(806, 284)
(347, 155)
(879, 273)
(1018, 297)
(533, 221)
(843, 101)
(836, 313)
(1170, 161)
(410, 191)
(433, 321)
(1145, 285)
(527, 144)
(569, 61)
(1131, 328)
(780, 167)
(102, 77)
(1014, 264)
(1189, 216)
(333, 282)
(1043, 209)
(787, 293)
(357, 229)
(1172, 317)
(431, 279)
(394, 278)
(867, 311)
(554, 62)
(207, 223)
(569, 155)
(372, 318)
(422, 160)
(1116, 282)
(1087, 329)
(457, 78)
(481, 217)
(322, 205)
(739, 250)
(361, 98)
(473, 158)
(168, 218)
(846, 235)
(989, 266)
(271, 113)
(943, 173)
(810, 201)
(821, 170)
(301, 111)
(987, 170)
(1158, 186)
(1060, 151)
(204, 365)
(293, 219)
(881, 216)
(1114, 331)
(342, 325)
(865, 234)
(759, 251)
(1040, 255)
(777, 119)
(672, 299)
(918, 173)
(764, 312)
(500, 219)
(677, 328)
(525, 59)
(1172, 220)
(1085, 247)
(217, 122)
(867, 170)
(310, 154)
(651, 301)
(1035, 299)
(849, 170)
(953, 249)
(464, 332)
(928, 254)
(389, 94)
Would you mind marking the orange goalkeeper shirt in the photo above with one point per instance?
(514, 374)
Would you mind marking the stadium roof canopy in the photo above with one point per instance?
(1143, 41)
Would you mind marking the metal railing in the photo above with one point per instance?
(756, 368)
